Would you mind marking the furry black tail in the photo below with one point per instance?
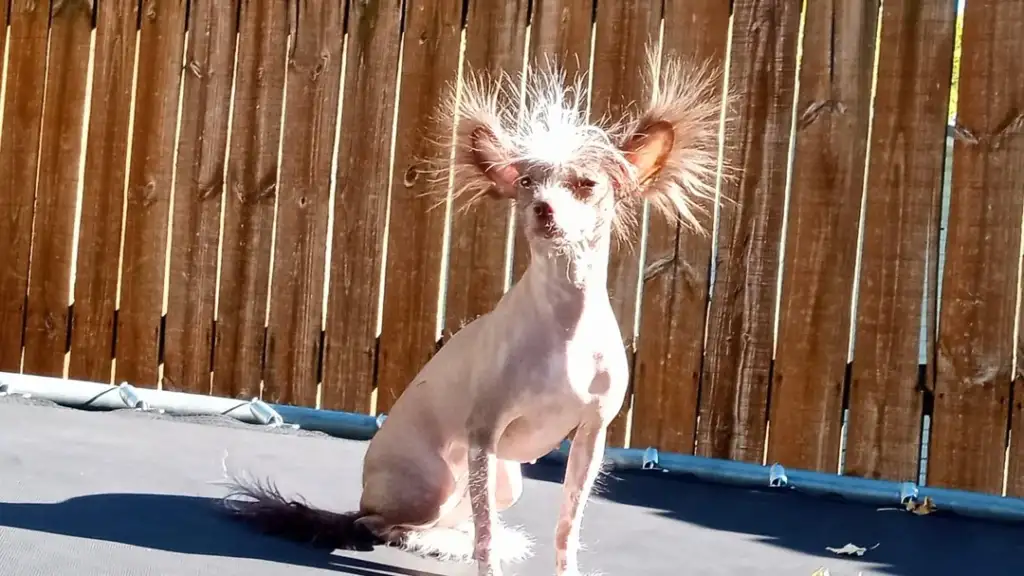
(266, 509)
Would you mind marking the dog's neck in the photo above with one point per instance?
(563, 283)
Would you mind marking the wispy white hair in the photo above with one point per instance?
(543, 119)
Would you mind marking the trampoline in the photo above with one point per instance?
(125, 492)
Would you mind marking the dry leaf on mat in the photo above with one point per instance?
(925, 506)
(850, 549)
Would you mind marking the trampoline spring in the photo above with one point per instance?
(264, 414)
(908, 492)
(650, 459)
(777, 476)
(130, 398)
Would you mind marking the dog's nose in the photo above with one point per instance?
(543, 211)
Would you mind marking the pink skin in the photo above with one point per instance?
(549, 358)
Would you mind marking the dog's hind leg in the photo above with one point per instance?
(455, 530)
(407, 501)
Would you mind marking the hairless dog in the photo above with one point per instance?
(549, 358)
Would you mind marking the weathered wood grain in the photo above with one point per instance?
(19, 160)
(60, 154)
(99, 237)
(311, 112)
(360, 205)
(250, 191)
(150, 174)
(198, 192)
(833, 111)
(737, 366)
(901, 231)
(675, 282)
(416, 229)
(495, 38)
(975, 345)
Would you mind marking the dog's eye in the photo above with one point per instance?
(585, 187)
(525, 182)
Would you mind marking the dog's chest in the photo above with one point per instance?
(546, 371)
(550, 388)
(542, 422)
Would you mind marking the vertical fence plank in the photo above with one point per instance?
(5, 9)
(199, 187)
(311, 112)
(19, 157)
(625, 30)
(737, 368)
(560, 34)
(1015, 484)
(46, 324)
(975, 348)
(249, 198)
(415, 233)
(360, 204)
(1015, 471)
(495, 37)
(675, 282)
(99, 237)
(901, 226)
(821, 240)
(150, 173)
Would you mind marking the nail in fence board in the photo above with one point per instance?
(495, 38)
(560, 35)
(46, 325)
(360, 204)
(821, 237)
(675, 281)
(311, 112)
(625, 30)
(198, 190)
(975, 344)
(737, 367)
(416, 230)
(250, 190)
(99, 236)
(149, 191)
(901, 231)
(19, 158)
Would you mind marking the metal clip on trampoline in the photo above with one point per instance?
(96, 396)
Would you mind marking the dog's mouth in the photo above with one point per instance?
(548, 229)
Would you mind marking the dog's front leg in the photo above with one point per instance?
(585, 456)
(483, 466)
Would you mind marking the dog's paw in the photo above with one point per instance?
(512, 543)
(445, 544)
(578, 573)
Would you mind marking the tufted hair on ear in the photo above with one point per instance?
(672, 143)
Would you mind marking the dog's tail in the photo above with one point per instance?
(261, 505)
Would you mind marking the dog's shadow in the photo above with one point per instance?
(183, 524)
(907, 545)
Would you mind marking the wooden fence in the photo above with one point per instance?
(222, 197)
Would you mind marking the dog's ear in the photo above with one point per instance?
(672, 144)
(484, 150)
(493, 161)
(648, 148)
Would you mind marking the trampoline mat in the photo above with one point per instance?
(130, 493)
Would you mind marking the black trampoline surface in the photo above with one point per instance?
(129, 493)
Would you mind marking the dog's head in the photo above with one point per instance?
(576, 181)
